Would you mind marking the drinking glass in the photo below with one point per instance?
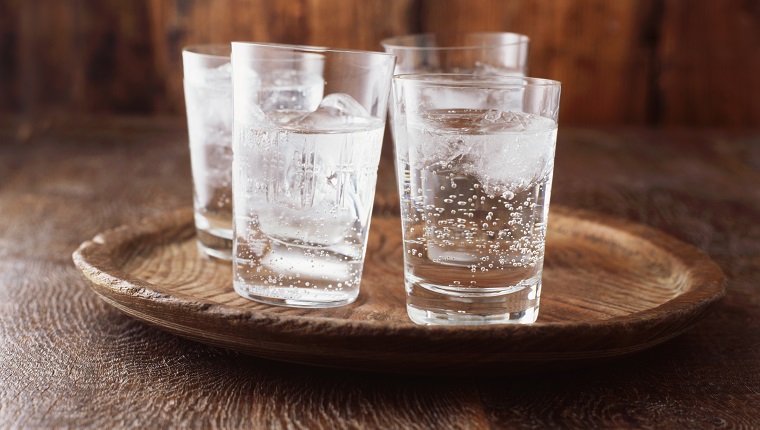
(474, 160)
(308, 129)
(480, 53)
(208, 99)
(483, 53)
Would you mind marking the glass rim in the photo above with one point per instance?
(311, 49)
(394, 42)
(209, 50)
(471, 80)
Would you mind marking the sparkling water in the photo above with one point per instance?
(474, 202)
(208, 97)
(304, 188)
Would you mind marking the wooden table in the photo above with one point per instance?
(67, 359)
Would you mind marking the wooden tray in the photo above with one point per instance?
(611, 288)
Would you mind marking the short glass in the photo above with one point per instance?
(308, 129)
(474, 159)
(479, 53)
(208, 99)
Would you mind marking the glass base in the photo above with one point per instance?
(517, 305)
(299, 297)
(215, 246)
(302, 276)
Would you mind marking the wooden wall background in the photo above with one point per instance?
(655, 62)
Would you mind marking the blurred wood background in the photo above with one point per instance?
(643, 62)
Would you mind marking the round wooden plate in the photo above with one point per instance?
(611, 288)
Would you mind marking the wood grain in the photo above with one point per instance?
(610, 289)
(598, 50)
(80, 55)
(70, 360)
(649, 62)
(333, 23)
(10, 27)
(709, 62)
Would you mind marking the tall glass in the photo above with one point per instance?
(208, 99)
(475, 159)
(480, 53)
(308, 129)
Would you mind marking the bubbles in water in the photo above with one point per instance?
(291, 90)
(505, 152)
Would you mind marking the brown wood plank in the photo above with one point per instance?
(45, 56)
(333, 23)
(710, 62)
(597, 49)
(677, 62)
(118, 58)
(84, 56)
(10, 86)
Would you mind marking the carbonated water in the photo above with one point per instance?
(208, 97)
(474, 200)
(304, 188)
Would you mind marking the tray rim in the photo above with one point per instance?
(110, 283)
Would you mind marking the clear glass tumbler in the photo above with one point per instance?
(308, 129)
(479, 53)
(208, 99)
(475, 159)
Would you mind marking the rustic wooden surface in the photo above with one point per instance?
(610, 288)
(644, 62)
(68, 359)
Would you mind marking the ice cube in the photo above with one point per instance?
(219, 161)
(217, 112)
(518, 152)
(209, 117)
(500, 122)
(291, 90)
(337, 111)
(441, 97)
(441, 140)
(219, 76)
(249, 113)
(246, 99)
(505, 151)
(343, 105)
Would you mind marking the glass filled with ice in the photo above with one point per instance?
(208, 100)
(474, 160)
(480, 53)
(308, 129)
